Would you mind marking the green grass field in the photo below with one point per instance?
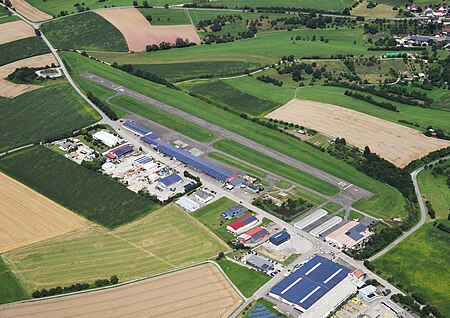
(386, 204)
(232, 162)
(20, 49)
(210, 217)
(434, 188)
(163, 240)
(87, 31)
(332, 207)
(227, 95)
(282, 169)
(166, 16)
(43, 113)
(6, 19)
(415, 114)
(283, 184)
(442, 102)
(12, 289)
(247, 280)
(355, 215)
(176, 123)
(420, 264)
(311, 197)
(327, 5)
(90, 194)
(176, 72)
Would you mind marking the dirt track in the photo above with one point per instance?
(28, 217)
(139, 33)
(9, 89)
(200, 291)
(396, 143)
(16, 30)
(28, 11)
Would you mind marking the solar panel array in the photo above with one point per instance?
(309, 283)
(243, 221)
(169, 180)
(187, 158)
(258, 233)
(136, 128)
(143, 160)
(122, 150)
(261, 311)
(355, 232)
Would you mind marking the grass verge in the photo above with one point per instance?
(232, 162)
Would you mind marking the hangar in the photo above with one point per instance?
(280, 237)
(119, 151)
(349, 235)
(169, 181)
(107, 138)
(188, 204)
(318, 278)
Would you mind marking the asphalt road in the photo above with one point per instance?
(348, 195)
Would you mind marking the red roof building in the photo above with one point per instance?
(254, 235)
(242, 224)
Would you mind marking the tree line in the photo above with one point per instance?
(103, 107)
(179, 43)
(143, 74)
(369, 99)
(271, 80)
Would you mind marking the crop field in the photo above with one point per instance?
(87, 31)
(282, 169)
(380, 11)
(163, 240)
(200, 291)
(176, 72)
(328, 5)
(90, 194)
(10, 89)
(386, 204)
(335, 95)
(7, 19)
(139, 33)
(434, 188)
(247, 280)
(400, 145)
(20, 49)
(210, 217)
(12, 289)
(419, 263)
(28, 217)
(234, 163)
(41, 114)
(166, 16)
(227, 95)
(30, 12)
(14, 31)
(161, 117)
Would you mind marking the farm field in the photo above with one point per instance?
(400, 145)
(7, 19)
(184, 71)
(87, 31)
(161, 117)
(234, 163)
(221, 92)
(30, 12)
(41, 114)
(20, 49)
(434, 188)
(209, 295)
(139, 33)
(282, 169)
(90, 194)
(330, 5)
(247, 280)
(163, 240)
(210, 217)
(335, 95)
(380, 11)
(28, 217)
(387, 204)
(12, 289)
(16, 30)
(418, 263)
(9, 89)
(166, 16)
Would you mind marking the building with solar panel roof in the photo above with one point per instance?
(349, 235)
(316, 288)
(243, 224)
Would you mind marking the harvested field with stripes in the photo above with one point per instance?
(163, 240)
(9, 89)
(139, 33)
(393, 142)
(15, 30)
(200, 291)
(28, 11)
(28, 217)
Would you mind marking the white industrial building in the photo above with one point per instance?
(310, 219)
(107, 138)
(188, 204)
(203, 196)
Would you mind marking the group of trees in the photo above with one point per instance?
(431, 211)
(418, 304)
(218, 22)
(268, 79)
(23, 75)
(179, 43)
(103, 107)
(369, 99)
(143, 74)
